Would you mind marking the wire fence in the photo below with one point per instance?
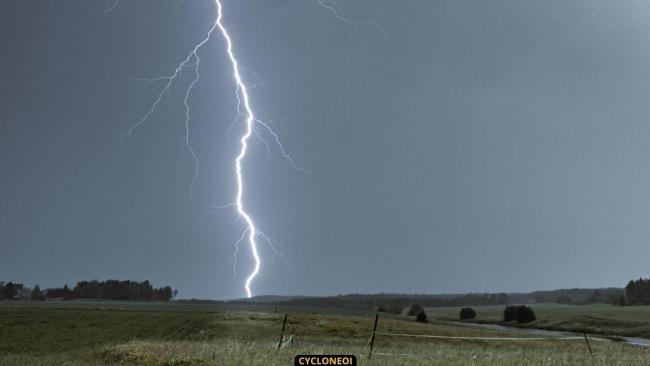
(584, 337)
(288, 341)
(567, 338)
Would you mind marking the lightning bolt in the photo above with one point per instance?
(242, 98)
(251, 232)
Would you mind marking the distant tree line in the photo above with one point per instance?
(395, 303)
(573, 296)
(637, 292)
(110, 290)
(10, 290)
(36, 294)
(113, 290)
(18, 291)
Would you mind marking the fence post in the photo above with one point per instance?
(372, 338)
(284, 324)
(588, 345)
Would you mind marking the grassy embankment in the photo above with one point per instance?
(46, 335)
(631, 321)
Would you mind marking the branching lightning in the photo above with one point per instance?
(244, 109)
(193, 55)
(340, 17)
(115, 4)
(349, 21)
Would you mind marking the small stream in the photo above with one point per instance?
(644, 342)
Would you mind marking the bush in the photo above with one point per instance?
(415, 310)
(421, 317)
(521, 314)
(525, 314)
(467, 313)
(510, 313)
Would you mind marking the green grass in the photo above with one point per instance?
(631, 321)
(167, 335)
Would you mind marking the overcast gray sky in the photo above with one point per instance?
(459, 146)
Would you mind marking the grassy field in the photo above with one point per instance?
(631, 321)
(160, 334)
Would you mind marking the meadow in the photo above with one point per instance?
(605, 319)
(112, 333)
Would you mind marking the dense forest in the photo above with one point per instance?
(113, 290)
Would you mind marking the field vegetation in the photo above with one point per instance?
(163, 334)
(605, 319)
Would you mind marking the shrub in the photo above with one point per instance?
(525, 314)
(415, 310)
(421, 317)
(521, 314)
(467, 313)
(510, 313)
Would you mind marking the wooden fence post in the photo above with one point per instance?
(284, 324)
(588, 345)
(372, 339)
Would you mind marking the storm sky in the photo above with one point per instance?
(460, 146)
